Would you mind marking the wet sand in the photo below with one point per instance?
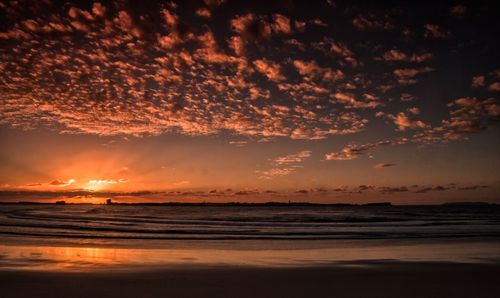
(40, 254)
(349, 279)
(350, 268)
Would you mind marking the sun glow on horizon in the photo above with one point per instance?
(100, 184)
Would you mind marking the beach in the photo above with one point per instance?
(352, 279)
(340, 268)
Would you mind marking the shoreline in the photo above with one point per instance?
(23, 254)
(159, 243)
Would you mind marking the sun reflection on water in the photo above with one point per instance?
(69, 258)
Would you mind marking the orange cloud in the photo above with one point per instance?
(293, 158)
(352, 151)
(270, 69)
(396, 55)
(61, 183)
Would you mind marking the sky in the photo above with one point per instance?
(321, 101)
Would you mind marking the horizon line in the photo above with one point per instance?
(267, 203)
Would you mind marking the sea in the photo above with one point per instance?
(248, 222)
(87, 236)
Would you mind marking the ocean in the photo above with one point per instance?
(86, 237)
(198, 222)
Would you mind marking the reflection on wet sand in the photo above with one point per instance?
(74, 258)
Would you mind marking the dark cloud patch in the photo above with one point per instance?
(387, 189)
(383, 165)
(354, 151)
(372, 21)
(473, 187)
(458, 10)
(433, 188)
(366, 187)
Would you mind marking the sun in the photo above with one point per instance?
(96, 185)
(93, 186)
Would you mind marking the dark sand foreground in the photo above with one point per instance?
(353, 279)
